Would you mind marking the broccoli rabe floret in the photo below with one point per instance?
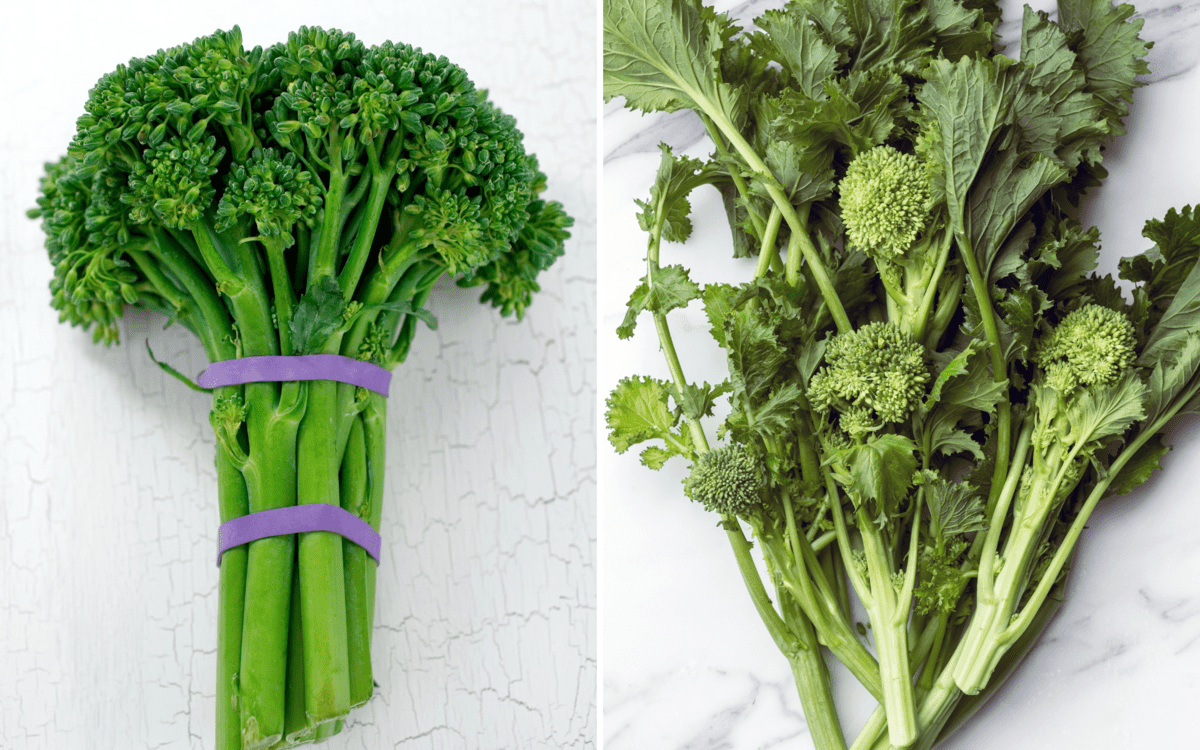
(885, 202)
(878, 367)
(1092, 346)
(726, 480)
(888, 212)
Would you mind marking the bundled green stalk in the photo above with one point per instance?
(302, 199)
(929, 389)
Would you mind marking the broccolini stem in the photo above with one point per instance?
(163, 286)
(324, 260)
(270, 473)
(322, 579)
(231, 594)
(374, 420)
(285, 297)
(357, 260)
(217, 323)
(295, 721)
(354, 489)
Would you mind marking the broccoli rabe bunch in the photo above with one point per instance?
(929, 388)
(304, 198)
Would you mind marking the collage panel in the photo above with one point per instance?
(895, 334)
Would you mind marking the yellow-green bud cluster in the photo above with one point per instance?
(885, 202)
(726, 480)
(1092, 346)
(878, 366)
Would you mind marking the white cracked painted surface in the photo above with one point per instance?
(486, 622)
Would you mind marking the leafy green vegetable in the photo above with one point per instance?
(299, 199)
(929, 389)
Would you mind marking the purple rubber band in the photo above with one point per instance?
(299, 367)
(297, 519)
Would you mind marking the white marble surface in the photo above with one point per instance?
(486, 626)
(686, 661)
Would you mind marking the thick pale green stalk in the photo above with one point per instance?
(987, 315)
(984, 637)
(812, 681)
(872, 731)
(794, 637)
(354, 487)
(889, 619)
(783, 203)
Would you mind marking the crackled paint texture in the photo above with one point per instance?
(687, 662)
(486, 622)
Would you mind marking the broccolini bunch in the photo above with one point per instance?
(929, 389)
(299, 199)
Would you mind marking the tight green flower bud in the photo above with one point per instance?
(1091, 346)
(726, 480)
(878, 366)
(885, 202)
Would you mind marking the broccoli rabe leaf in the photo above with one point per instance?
(880, 469)
(662, 290)
(718, 302)
(1100, 413)
(677, 177)
(697, 401)
(755, 355)
(1146, 461)
(661, 56)
(638, 411)
(1163, 272)
(963, 104)
(954, 507)
(1110, 52)
(797, 45)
